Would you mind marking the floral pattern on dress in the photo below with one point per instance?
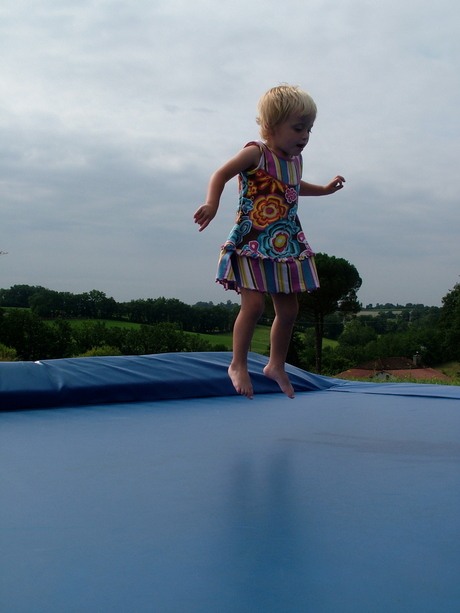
(291, 195)
(246, 205)
(266, 210)
(267, 225)
(237, 234)
(252, 188)
(251, 250)
(265, 180)
(278, 239)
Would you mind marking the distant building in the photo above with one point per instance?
(389, 369)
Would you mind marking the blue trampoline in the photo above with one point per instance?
(146, 484)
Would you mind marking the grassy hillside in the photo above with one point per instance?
(451, 369)
(108, 322)
(260, 341)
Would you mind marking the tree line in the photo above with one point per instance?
(26, 334)
(331, 311)
(204, 318)
(339, 286)
(431, 332)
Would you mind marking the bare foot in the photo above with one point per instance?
(241, 381)
(280, 376)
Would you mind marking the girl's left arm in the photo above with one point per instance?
(244, 159)
(308, 189)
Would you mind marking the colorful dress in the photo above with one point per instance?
(267, 250)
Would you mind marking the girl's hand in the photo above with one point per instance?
(309, 189)
(334, 185)
(204, 215)
(248, 157)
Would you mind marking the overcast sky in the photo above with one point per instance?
(115, 113)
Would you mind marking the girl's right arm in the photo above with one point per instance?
(248, 157)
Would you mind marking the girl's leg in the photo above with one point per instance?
(286, 309)
(252, 307)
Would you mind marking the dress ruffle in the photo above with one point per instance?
(267, 274)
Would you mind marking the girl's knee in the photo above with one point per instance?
(252, 304)
(294, 309)
(286, 306)
(254, 312)
(288, 317)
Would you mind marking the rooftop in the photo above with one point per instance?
(391, 368)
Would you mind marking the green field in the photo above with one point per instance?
(327, 342)
(260, 341)
(451, 369)
(113, 323)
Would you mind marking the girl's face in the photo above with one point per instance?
(289, 138)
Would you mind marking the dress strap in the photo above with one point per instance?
(288, 170)
(262, 162)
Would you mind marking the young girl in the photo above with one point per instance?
(266, 250)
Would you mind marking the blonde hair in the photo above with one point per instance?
(278, 103)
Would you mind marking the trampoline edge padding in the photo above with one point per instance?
(100, 380)
(114, 379)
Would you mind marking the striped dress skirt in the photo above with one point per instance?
(265, 275)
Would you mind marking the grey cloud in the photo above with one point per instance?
(115, 114)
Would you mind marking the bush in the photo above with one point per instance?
(105, 350)
(7, 354)
(25, 332)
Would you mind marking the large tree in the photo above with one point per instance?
(450, 323)
(340, 283)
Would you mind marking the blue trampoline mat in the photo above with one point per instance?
(185, 497)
